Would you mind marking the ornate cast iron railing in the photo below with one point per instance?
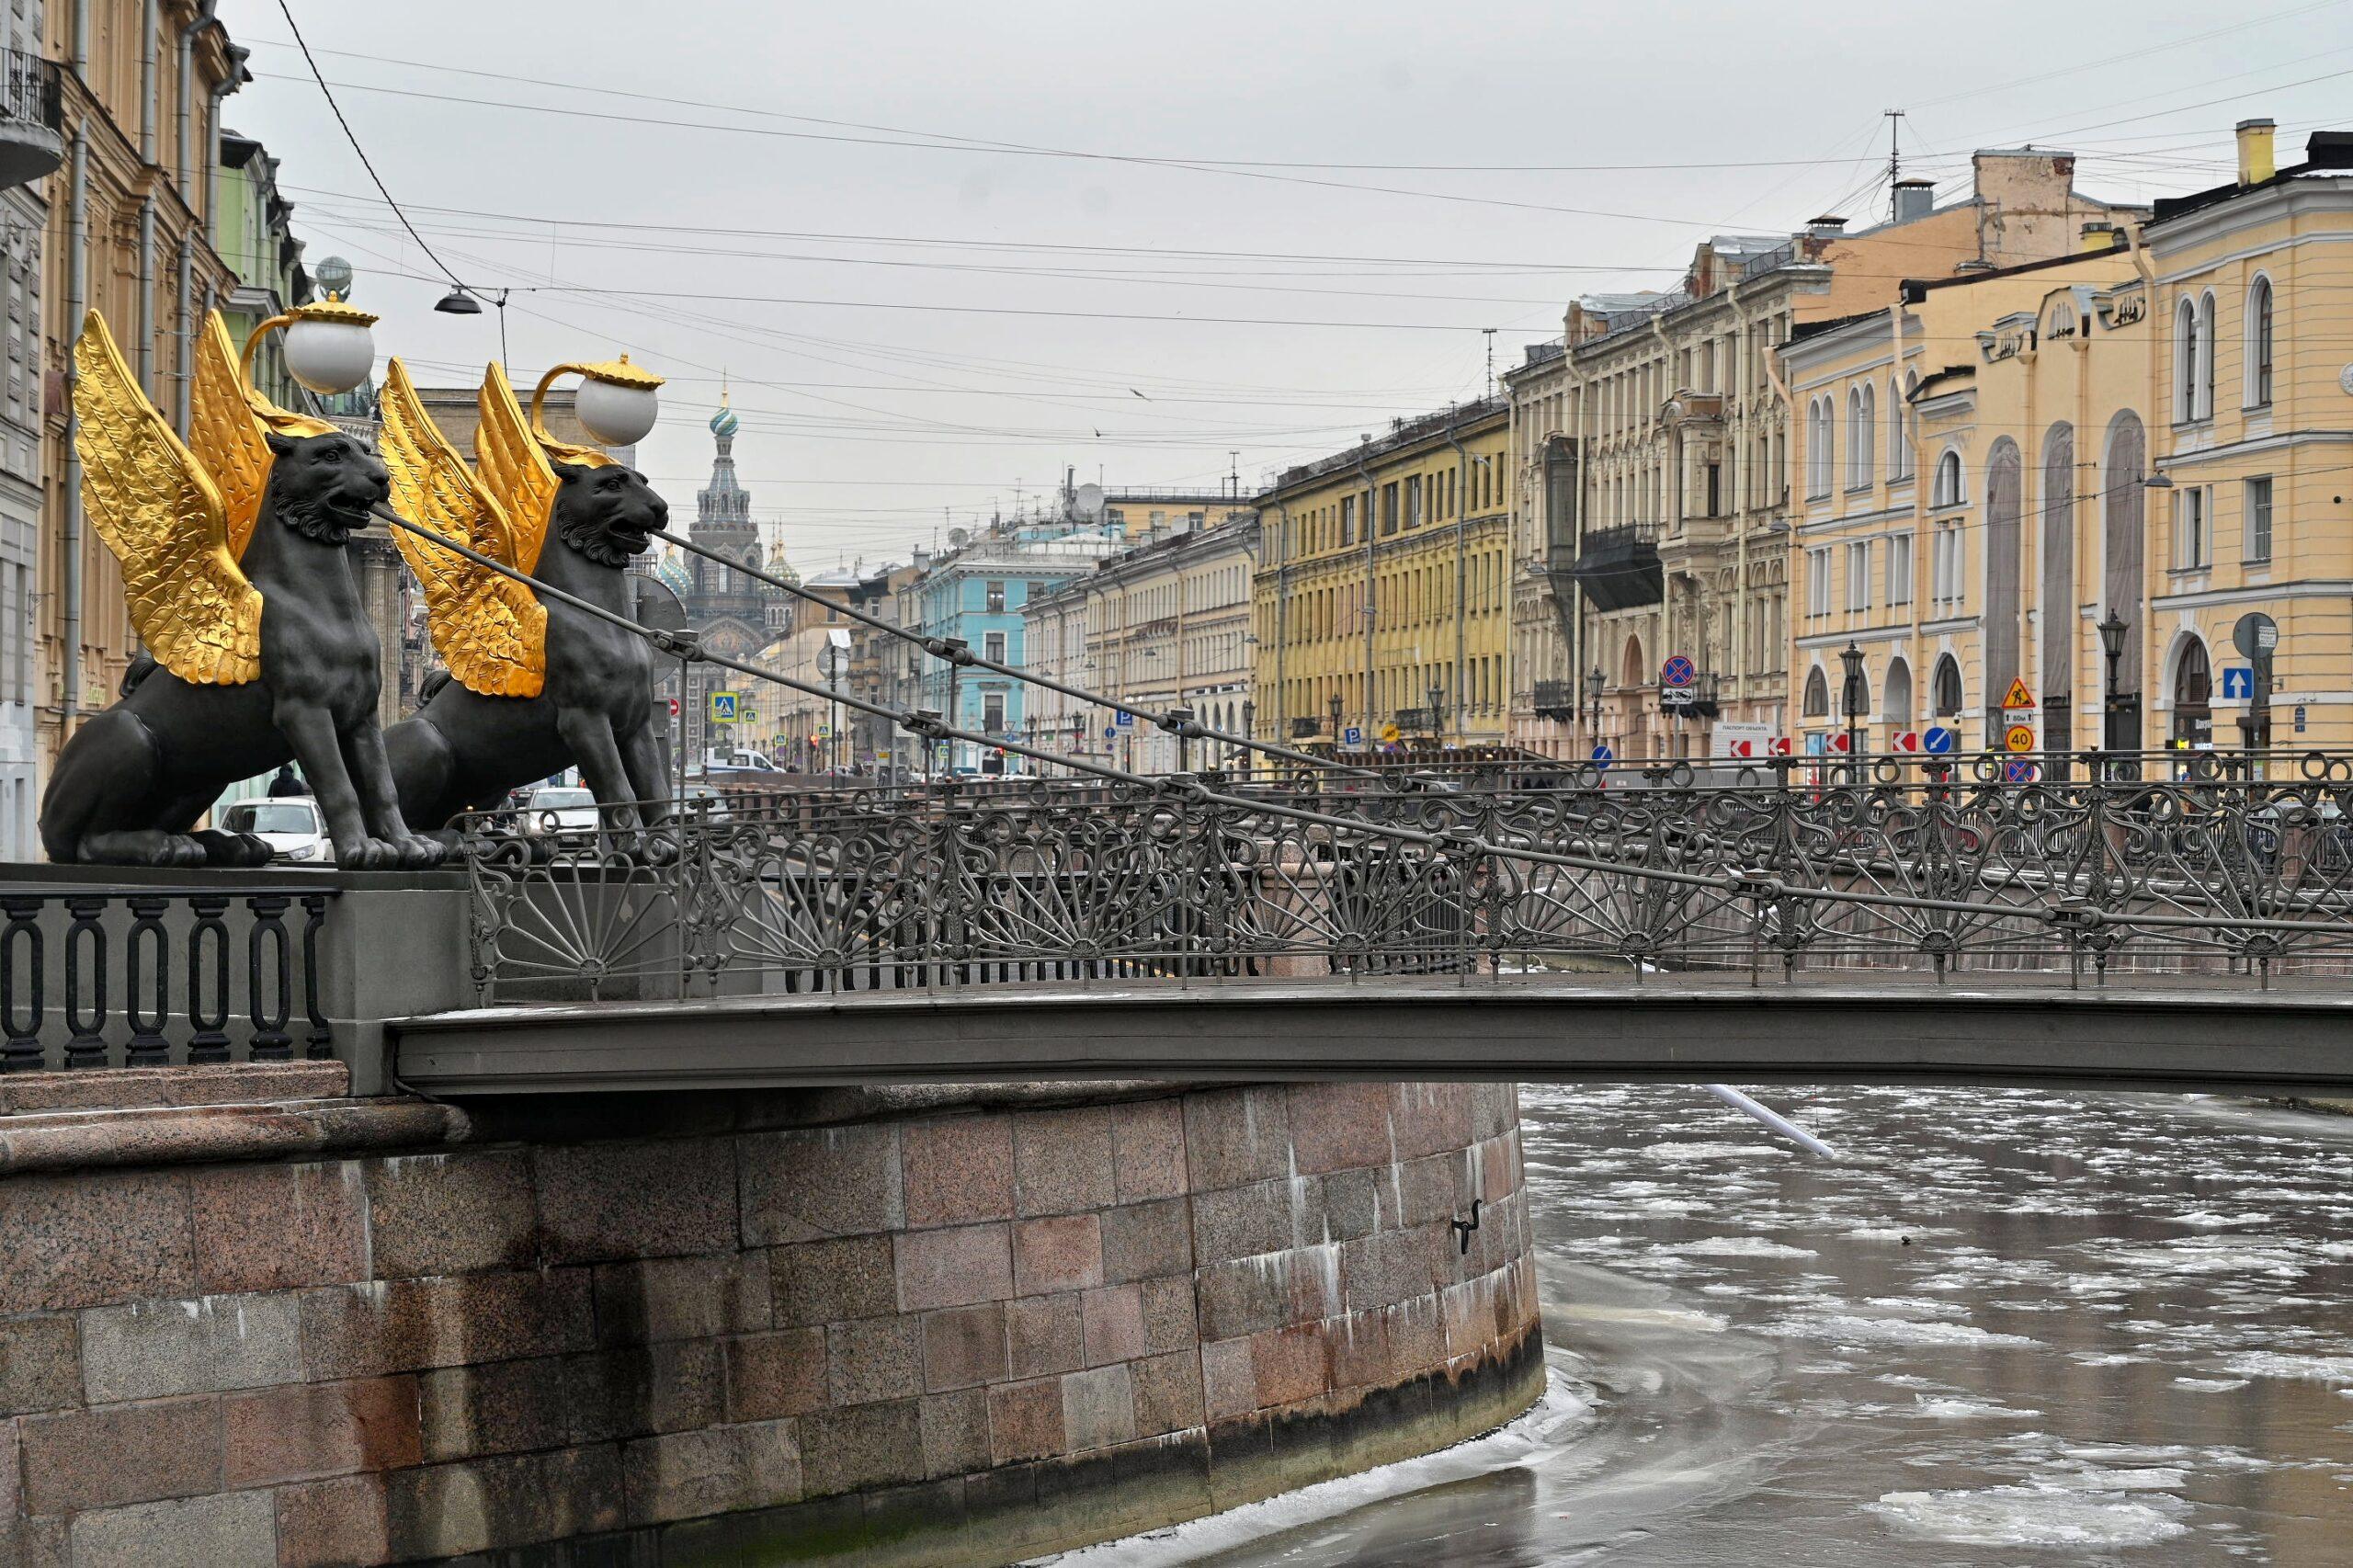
(97, 976)
(1493, 872)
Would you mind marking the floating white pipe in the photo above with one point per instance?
(1778, 1122)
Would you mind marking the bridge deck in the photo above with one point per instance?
(2201, 1033)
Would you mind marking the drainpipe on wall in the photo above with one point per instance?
(1283, 546)
(1366, 608)
(1462, 521)
(179, 111)
(183, 373)
(149, 26)
(82, 35)
(1789, 416)
(70, 496)
(2147, 268)
(147, 296)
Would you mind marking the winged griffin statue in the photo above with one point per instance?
(234, 563)
(534, 686)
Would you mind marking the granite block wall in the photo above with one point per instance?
(960, 1337)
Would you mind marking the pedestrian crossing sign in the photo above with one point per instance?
(2019, 697)
(722, 707)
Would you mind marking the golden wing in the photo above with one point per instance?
(489, 630)
(224, 434)
(514, 470)
(161, 515)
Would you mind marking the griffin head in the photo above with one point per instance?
(324, 487)
(605, 511)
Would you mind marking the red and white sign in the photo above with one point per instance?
(1780, 746)
(1739, 738)
(1838, 741)
(673, 708)
(1907, 740)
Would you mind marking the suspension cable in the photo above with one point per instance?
(1458, 840)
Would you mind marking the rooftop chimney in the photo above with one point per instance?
(2256, 164)
(1913, 198)
(1826, 228)
(2099, 235)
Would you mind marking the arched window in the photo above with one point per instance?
(1631, 669)
(2184, 362)
(1899, 442)
(1948, 687)
(2205, 356)
(1947, 491)
(1859, 442)
(2193, 676)
(1817, 446)
(1817, 694)
(2259, 343)
(1896, 695)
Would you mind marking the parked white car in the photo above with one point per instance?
(565, 809)
(290, 825)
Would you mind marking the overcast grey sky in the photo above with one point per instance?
(753, 174)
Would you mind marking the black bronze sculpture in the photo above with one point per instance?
(534, 686)
(239, 584)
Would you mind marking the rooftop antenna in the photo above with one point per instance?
(1490, 359)
(1234, 462)
(1895, 163)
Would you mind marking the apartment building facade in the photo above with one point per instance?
(1652, 458)
(1380, 602)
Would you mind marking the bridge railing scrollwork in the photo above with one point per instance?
(854, 889)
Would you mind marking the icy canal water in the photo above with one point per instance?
(2005, 1328)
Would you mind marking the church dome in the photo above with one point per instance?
(723, 423)
(673, 572)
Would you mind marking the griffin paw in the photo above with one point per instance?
(368, 855)
(418, 852)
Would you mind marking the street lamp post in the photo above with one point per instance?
(1437, 712)
(2111, 632)
(1850, 659)
(1249, 732)
(1593, 681)
(1336, 726)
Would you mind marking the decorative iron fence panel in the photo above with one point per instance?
(1938, 870)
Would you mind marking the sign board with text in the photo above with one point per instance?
(1737, 738)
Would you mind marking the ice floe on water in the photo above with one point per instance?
(1948, 1408)
(2031, 1516)
(1737, 1246)
(2307, 1369)
(1852, 1328)
(2210, 1385)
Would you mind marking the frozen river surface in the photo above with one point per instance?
(2005, 1328)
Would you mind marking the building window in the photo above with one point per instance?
(2258, 519)
(1817, 581)
(1946, 491)
(1899, 569)
(1859, 576)
(1347, 519)
(2259, 345)
(992, 646)
(993, 713)
(1947, 572)
(1817, 694)
(1947, 692)
(1859, 442)
(1414, 501)
(1817, 448)
(2191, 540)
(997, 598)
(2193, 349)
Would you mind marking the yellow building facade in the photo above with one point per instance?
(1381, 600)
(2097, 467)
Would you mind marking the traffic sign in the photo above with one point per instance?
(2238, 683)
(824, 732)
(1352, 737)
(2019, 737)
(1780, 746)
(2018, 770)
(1603, 756)
(1678, 671)
(722, 707)
(1389, 734)
(2019, 695)
(1906, 740)
(2255, 635)
(1937, 740)
(1110, 732)
(1127, 720)
(673, 708)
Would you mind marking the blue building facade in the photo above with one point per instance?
(976, 591)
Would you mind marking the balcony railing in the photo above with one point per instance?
(1301, 729)
(31, 116)
(1618, 567)
(1556, 699)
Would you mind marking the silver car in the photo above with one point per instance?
(290, 825)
